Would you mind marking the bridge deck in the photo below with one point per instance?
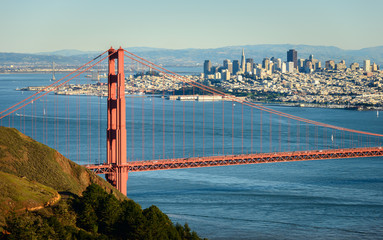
(178, 163)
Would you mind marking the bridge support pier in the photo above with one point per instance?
(116, 130)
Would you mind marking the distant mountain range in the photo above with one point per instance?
(195, 57)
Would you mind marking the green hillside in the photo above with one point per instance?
(43, 195)
(32, 174)
(21, 194)
(24, 157)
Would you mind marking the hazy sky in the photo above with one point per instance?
(47, 25)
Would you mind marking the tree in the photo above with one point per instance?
(158, 224)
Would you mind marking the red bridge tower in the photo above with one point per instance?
(116, 130)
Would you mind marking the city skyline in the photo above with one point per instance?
(250, 69)
(41, 26)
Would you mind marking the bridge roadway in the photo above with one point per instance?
(214, 161)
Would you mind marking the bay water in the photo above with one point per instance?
(327, 199)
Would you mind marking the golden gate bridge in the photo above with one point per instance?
(221, 126)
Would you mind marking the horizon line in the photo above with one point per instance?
(197, 48)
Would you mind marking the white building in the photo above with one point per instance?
(367, 66)
(283, 67)
(290, 67)
(225, 74)
(279, 63)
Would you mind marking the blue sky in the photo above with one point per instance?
(48, 25)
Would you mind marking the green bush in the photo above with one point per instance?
(96, 215)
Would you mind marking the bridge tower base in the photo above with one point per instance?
(116, 129)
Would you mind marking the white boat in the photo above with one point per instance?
(377, 114)
(332, 138)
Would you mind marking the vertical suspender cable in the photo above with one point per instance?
(78, 129)
(153, 136)
(99, 127)
(163, 124)
(324, 138)
(251, 148)
(132, 114)
(174, 151)
(203, 124)
(213, 125)
(55, 121)
(298, 136)
(90, 129)
(132, 124)
(143, 127)
(9, 119)
(223, 126)
(260, 142)
(307, 137)
(271, 134)
(183, 121)
(279, 134)
(23, 118)
(316, 137)
(232, 127)
(242, 127)
(20, 121)
(43, 121)
(288, 135)
(193, 125)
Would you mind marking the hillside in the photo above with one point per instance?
(20, 193)
(31, 174)
(24, 157)
(43, 195)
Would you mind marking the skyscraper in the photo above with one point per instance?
(290, 67)
(235, 66)
(228, 65)
(243, 61)
(292, 56)
(367, 65)
(207, 67)
(249, 65)
(265, 63)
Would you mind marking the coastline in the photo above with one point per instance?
(272, 103)
(317, 105)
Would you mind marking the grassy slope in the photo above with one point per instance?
(21, 193)
(24, 157)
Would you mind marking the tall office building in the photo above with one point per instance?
(225, 75)
(236, 67)
(243, 61)
(228, 65)
(290, 67)
(292, 56)
(265, 63)
(283, 67)
(367, 66)
(249, 65)
(279, 64)
(207, 67)
(301, 65)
